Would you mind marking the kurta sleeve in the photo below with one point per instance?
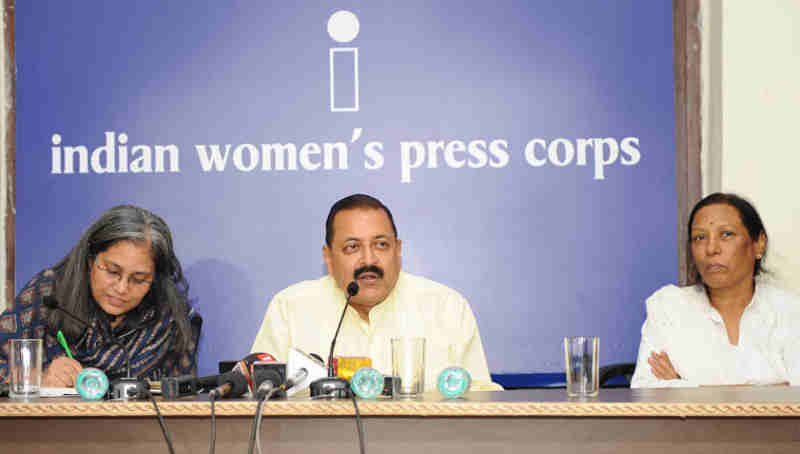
(788, 315)
(655, 335)
(274, 335)
(473, 358)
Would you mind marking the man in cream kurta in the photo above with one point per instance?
(305, 315)
(361, 245)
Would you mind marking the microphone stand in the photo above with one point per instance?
(333, 386)
(128, 387)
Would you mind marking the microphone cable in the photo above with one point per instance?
(212, 444)
(255, 429)
(230, 384)
(259, 417)
(164, 429)
(264, 393)
(359, 426)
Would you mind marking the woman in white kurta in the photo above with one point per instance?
(733, 327)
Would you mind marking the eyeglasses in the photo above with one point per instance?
(115, 276)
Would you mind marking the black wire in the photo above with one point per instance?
(359, 426)
(213, 443)
(259, 409)
(335, 335)
(260, 417)
(163, 425)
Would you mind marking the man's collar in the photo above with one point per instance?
(387, 302)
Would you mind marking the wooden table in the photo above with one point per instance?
(706, 420)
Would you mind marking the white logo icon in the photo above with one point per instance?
(343, 27)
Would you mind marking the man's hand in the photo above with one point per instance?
(62, 373)
(661, 366)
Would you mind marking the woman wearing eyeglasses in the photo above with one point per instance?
(124, 280)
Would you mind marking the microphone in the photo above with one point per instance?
(122, 388)
(52, 303)
(254, 367)
(333, 386)
(207, 383)
(256, 370)
(271, 383)
(296, 378)
(180, 386)
(229, 385)
(352, 289)
(299, 361)
(274, 372)
(190, 385)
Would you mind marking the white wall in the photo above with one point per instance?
(752, 82)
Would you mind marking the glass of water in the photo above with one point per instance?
(25, 368)
(581, 358)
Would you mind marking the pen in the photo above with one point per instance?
(63, 342)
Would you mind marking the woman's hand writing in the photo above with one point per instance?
(61, 373)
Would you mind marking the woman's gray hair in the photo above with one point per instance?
(169, 291)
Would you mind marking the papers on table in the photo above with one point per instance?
(57, 392)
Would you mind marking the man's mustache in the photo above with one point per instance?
(368, 269)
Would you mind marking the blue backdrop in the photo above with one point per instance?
(525, 149)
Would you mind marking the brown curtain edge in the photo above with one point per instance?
(11, 148)
(688, 97)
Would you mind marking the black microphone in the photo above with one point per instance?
(352, 289)
(270, 384)
(230, 385)
(207, 383)
(188, 385)
(180, 386)
(52, 303)
(333, 386)
(122, 388)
